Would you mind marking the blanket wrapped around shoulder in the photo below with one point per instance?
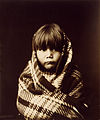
(38, 99)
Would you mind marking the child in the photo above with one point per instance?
(50, 87)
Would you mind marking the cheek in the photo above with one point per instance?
(40, 56)
(57, 56)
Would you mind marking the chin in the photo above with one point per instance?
(50, 69)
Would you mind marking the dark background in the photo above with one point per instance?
(19, 19)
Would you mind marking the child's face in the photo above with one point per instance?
(48, 58)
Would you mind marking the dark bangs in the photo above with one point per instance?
(49, 37)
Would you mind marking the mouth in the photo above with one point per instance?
(50, 62)
(49, 65)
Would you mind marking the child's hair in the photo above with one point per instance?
(51, 36)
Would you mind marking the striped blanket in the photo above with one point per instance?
(38, 99)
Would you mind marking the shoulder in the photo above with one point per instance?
(26, 74)
(72, 78)
(73, 71)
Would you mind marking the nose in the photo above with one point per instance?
(49, 53)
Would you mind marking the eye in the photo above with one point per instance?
(52, 48)
(56, 49)
(44, 49)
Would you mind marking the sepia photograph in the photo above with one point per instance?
(49, 60)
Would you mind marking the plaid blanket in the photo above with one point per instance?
(38, 99)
